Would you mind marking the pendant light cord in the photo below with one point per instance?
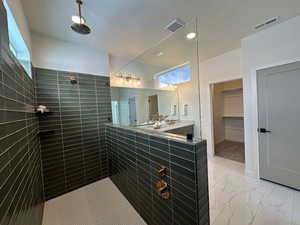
(79, 2)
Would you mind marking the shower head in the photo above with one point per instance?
(73, 80)
(80, 27)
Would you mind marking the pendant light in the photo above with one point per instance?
(78, 25)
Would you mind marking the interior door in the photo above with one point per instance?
(153, 106)
(132, 111)
(279, 124)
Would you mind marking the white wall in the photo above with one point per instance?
(18, 12)
(221, 68)
(186, 96)
(218, 112)
(55, 54)
(277, 45)
(234, 129)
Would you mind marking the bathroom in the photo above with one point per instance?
(109, 113)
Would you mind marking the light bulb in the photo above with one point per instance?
(76, 19)
(191, 36)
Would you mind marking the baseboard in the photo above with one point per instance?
(242, 142)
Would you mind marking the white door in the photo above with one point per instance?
(279, 124)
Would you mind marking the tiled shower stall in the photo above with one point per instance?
(72, 133)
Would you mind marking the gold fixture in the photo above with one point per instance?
(162, 171)
(162, 189)
(165, 194)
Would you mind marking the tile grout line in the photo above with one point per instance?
(98, 128)
(171, 183)
(81, 130)
(61, 132)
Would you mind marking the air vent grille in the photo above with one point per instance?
(175, 25)
(273, 20)
(267, 22)
(258, 26)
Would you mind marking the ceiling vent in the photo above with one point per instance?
(267, 22)
(273, 20)
(175, 25)
(258, 26)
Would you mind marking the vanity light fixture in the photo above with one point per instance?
(127, 79)
(191, 36)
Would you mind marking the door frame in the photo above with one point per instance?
(211, 108)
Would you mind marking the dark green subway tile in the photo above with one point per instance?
(78, 138)
(20, 149)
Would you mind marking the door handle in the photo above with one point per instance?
(263, 130)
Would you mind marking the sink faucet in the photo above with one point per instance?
(157, 117)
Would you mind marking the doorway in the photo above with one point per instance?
(228, 120)
(279, 124)
(132, 111)
(153, 107)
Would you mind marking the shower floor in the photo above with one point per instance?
(100, 203)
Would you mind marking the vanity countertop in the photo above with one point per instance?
(159, 133)
(166, 127)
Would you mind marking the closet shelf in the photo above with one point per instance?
(234, 89)
(233, 116)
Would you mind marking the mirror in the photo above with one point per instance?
(160, 88)
(138, 107)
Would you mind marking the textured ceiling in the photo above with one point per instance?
(127, 28)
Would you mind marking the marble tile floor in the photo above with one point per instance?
(235, 199)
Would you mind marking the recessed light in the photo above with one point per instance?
(160, 54)
(191, 36)
(76, 19)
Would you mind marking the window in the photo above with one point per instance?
(175, 76)
(17, 44)
(115, 111)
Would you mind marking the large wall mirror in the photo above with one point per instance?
(159, 89)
